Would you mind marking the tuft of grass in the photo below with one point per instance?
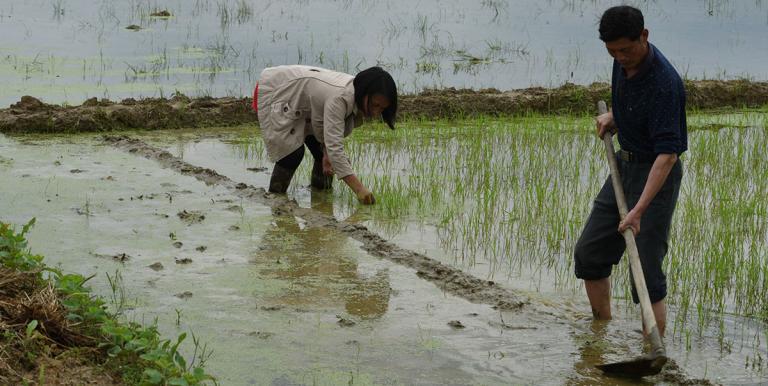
(74, 319)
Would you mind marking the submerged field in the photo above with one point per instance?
(462, 271)
(281, 299)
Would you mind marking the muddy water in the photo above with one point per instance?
(68, 51)
(741, 342)
(281, 301)
(710, 358)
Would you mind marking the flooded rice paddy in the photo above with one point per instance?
(282, 299)
(66, 51)
(473, 217)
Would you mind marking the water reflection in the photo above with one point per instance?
(318, 269)
(218, 48)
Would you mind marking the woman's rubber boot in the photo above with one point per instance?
(319, 180)
(281, 178)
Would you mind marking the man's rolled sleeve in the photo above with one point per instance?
(664, 123)
(334, 118)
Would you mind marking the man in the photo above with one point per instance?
(648, 112)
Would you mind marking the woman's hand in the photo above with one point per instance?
(365, 197)
(363, 194)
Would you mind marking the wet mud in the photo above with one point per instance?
(450, 280)
(567, 99)
(190, 217)
(31, 115)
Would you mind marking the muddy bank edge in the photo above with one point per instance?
(30, 115)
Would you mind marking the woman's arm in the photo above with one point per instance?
(334, 121)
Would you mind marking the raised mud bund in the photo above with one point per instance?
(449, 280)
(31, 115)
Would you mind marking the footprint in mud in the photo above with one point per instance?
(184, 295)
(191, 217)
(76, 171)
(108, 178)
(272, 308)
(185, 260)
(201, 248)
(505, 326)
(85, 211)
(185, 191)
(233, 228)
(456, 325)
(261, 334)
(178, 244)
(344, 322)
(143, 196)
(121, 257)
(156, 266)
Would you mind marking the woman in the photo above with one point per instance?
(308, 106)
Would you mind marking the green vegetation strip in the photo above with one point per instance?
(512, 194)
(47, 315)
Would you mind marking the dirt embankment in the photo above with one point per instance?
(31, 115)
(569, 99)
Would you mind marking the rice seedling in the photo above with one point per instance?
(513, 193)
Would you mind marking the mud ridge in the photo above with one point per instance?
(449, 279)
(30, 115)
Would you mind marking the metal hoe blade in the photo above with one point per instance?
(639, 367)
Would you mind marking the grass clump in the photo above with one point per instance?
(55, 330)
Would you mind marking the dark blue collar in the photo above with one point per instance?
(645, 66)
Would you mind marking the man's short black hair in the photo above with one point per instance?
(373, 81)
(621, 22)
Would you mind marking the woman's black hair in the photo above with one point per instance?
(373, 81)
(621, 22)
